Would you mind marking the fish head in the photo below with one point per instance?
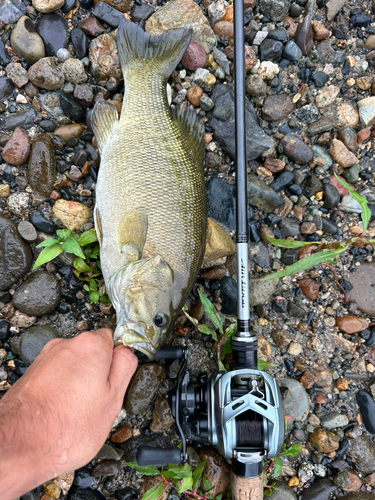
(143, 303)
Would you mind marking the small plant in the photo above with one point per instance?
(182, 477)
(86, 264)
(326, 253)
(224, 344)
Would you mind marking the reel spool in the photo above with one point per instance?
(239, 412)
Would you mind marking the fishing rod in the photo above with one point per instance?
(239, 411)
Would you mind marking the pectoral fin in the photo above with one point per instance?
(132, 235)
(154, 272)
(104, 117)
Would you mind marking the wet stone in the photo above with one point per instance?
(141, 12)
(367, 409)
(131, 446)
(283, 180)
(41, 170)
(323, 440)
(27, 231)
(351, 324)
(6, 87)
(106, 468)
(275, 10)
(321, 489)
(292, 52)
(122, 434)
(80, 42)
(11, 11)
(17, 149)
(45, 74)
(162, 419)
(54, 32)
(363, 451)
(331, 196)
(142, 388)
(348, 137)
(363, 280)
(42, 224)
(320, 79)
(216, 470)
(333, 421)
(107, 14)
(104, 57)
(15, 254)
(310, 288)
(296, 150)
(296, 401)
(72, 109)
(270, 50)
(221, 202)
(33, 340)
(282, 492)
(328, 226)
(86, 494)
(40, 294)
(194, 57)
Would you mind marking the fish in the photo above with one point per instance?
(150, 212)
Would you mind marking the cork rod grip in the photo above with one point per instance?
(245, 488)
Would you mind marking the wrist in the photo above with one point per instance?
(21, 467)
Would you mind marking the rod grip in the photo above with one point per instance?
(247, 488)
(148, 455)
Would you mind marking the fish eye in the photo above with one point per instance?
(160, 320)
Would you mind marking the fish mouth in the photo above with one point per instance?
(134, 335)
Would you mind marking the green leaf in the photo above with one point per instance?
(183, 484)
(70, 245)
(94, 297)
(48, 254)
(210, 310)
(267, 492)
(81, 265)
(289, 243)
(226, 348)
(148, 470)
(208, 331)
(262, 365)
(62, 234)
(177, 471)
(206, 483)
(197, 473)
(278, 466)
(47, 243)
(366, 212)
(154, 492)
(310, 261)
(221, 366)
(86, 287)
(292, 451)
(87, 237)
(93, 285)
(219, 497)
(231, 330)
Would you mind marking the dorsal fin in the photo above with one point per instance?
(187, 119)
(104, 117)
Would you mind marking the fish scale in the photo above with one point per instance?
(151, 176)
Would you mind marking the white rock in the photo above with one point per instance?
(63, 54)
(259, 37)
(216, 10)
(366, 108)
(200, 75)
(18, 203)
(268, 70)
(350, 205)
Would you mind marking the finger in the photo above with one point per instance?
(124, 364)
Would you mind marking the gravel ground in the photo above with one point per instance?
(310, 114)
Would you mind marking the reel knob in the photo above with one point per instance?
(148, 455)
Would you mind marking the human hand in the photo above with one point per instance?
(58, 415)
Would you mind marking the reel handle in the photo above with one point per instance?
(170, 352)
(148, 455)
(247, 488)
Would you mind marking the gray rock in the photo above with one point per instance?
(26, 42)
(255, 86)
(321, 489)
(296, 401)
(348, 204)
(307, 114)
(206, 103)
(108, 452)
(304, 36)
(334, 420)
(6, 88)
(33, 340)
(333, 7)
(257, 142)
(142, 388)
(40, 294)
(270, 50)
(221, 59)
(198, 359)
(11, 11)
(262, 196)
(289, 227)
(15, 254)
(319, 151)
(24, 119)
(27, 231)
(292, 52)
(276, 10)
(296, 150)
(262, 291)
(331, 196)
(320, 126)
(363, 451)
(276, 107)
(358, 496)
(282, 492)
(362, 292)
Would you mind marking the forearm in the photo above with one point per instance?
(21, 468)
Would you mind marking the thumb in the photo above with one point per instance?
(124, 364)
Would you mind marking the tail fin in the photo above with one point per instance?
(161, 54)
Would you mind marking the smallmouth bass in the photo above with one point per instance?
(150, 212)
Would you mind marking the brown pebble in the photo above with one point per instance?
(8, 311)
(55, 195)
(324, 139)
(342, 384)
(310, 288)
(370, 480)
(182, 331)
(308, 228)
(17, 149)
(352, 324)
(323, 440)
(197, 311)
(293, 481)
(228, 14)
(324, 376)
(122, 434)
(355, 482)
(214, 274)
(320, 32)
(274, 165)
(308, 379)
(224, 29)
(320, 398)
(91, 27)
(194, 57)
(250, 58)
(194, 95)
(363, 134)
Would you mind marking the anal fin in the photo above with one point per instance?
(104, 117)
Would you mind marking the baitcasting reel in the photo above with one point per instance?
(239, 412)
